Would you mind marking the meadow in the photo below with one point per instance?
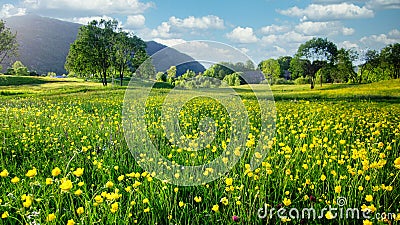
(64, 158)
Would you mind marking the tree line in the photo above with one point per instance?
(102, 50)
(319, 60)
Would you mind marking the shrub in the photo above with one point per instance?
(302, 80)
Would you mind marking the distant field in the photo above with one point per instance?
(63, 155)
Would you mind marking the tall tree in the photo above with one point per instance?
(284, 63)
(8, 42)
(390, 56)
(299, 67)
(319, 51)
(270, 68)
(93, 50)
(344, 65)
(126, 47)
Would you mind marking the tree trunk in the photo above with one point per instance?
(312, 83)
(121, 77)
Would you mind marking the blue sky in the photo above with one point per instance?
(260, 28)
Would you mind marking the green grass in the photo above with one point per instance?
(347, 134)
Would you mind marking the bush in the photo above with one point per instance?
(232, 79)
(161, 77)
(302, 80)
(282, 81)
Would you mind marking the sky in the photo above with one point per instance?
(261, 29)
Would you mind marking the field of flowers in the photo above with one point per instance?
(64, 160)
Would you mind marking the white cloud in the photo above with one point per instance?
(329, 12)
(383, 4)
(323, 28)
(175, 27)
(191, 22)
(244, 50)
(163, 31)
(9, 10)
(86, 20)
(378, 41)
(96, 6)
(348, 45)
(135, 21)
(272, 29)
(242, 35)
(169, 42)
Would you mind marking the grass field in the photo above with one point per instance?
(64, 158)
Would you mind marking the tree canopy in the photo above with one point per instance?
(102, 49)
(319, 52)
(8, 42)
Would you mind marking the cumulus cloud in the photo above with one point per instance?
(8, 10)
(272, 29)
(205, 22)
(383, 4)
(169, 42)
(87, 19)
(348, 45)
(174, 27)
(323, 28)
(135, 21)
(329, 12)
(242, 35)
(378, 41)
(96, 6)
(162, 31)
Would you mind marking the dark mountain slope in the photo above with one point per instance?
(44, 45)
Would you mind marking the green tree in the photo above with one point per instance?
(233, 79)
(284, 63)
(146, 70)
(93, 50)
(220, 70)
(161, 77)
(19, 69)
(390, 57)
(344, 65)
(320, 52)
(270, 69)
(370, 60)
(126, 46)
(299, 67)
(171, 74)
(8, 42)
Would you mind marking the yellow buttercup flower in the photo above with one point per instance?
(145, 201)
(287, 202)
(215, 208)
(228, 181)
(78, 172)
(114, 207)
(109, 184)
(78, 192)
(397, 163)
(329, 215)
(5, 215)
(50, 217)
(369, 198)
(71, 222)
(55, 172)
(338, 189)
(15, 180)
(80, 210)
(49, 181)
(197, 199)
(181, 204)
(31, 173)
(66, 184)
(4, 173)
(323, 177)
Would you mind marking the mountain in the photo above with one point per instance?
(44, 45)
